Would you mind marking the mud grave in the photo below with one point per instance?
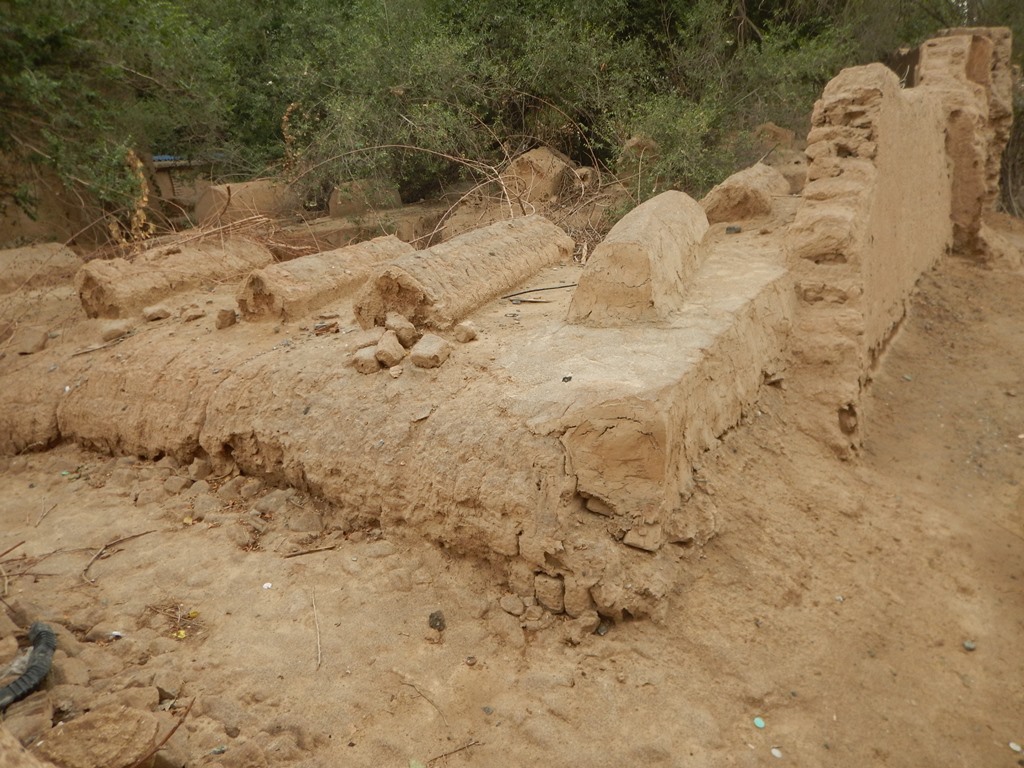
(498, 406)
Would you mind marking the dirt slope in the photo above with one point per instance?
(833, 603)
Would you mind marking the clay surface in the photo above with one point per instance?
(555, 537)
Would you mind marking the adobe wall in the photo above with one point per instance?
(897, 178)
(969, 71)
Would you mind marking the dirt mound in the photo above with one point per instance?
(36, 266)
(119, 288)
(289, 290)
(441, 285)
(641, 272)
(745, 195)
(226, 203)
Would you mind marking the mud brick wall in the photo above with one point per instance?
(897, 178)
(969, 71)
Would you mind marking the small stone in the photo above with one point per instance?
(192, 313)
(150, 495)
(577, 600)
(430, 351)
(436, 621)
(389, 350)
(465, 332)
(776, 752)
(646, 537)
(230, 489)
(533, 613)
(733, 229)
(367, 338)
(471, 661)
(69, 671)
(250, 487)
(970, 645)
(512, 604)
(28, 341)
(198, 488)
(115, 329)
(204, 506)
(199, 469)
(303, 521)
(404, 330)
(115, 737)
(550, 592)
(176, 484)
(168, 684)
(275, 502)
(365, 360)
(225, 319)
(156, 312)
(1016, 747)
(582, 626)
(395, 371)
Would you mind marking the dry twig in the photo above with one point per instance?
(450, 752)
(6, 552)
(316, 621)
(160, 744)
(311, 551)
(45, 513)
(428, 699)
(101, 550)
(535, 290)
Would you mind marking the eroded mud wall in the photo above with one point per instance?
(968, 70)
(897, 178)
(876, 214)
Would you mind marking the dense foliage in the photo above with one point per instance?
(423, 91)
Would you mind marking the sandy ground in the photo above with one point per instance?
(834, 603)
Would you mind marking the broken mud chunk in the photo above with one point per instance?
(192, 313)
(465, 332)
(365, 360)
(115, 330)
(430, 352)
(28, 341)
(512, 604)
(406, 331)
(389, 350)
(156, 312)
(225, 318)
(646, 537)
(550, 592)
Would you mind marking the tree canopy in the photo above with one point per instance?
(407, 89)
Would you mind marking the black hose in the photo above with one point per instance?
(44, 643)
